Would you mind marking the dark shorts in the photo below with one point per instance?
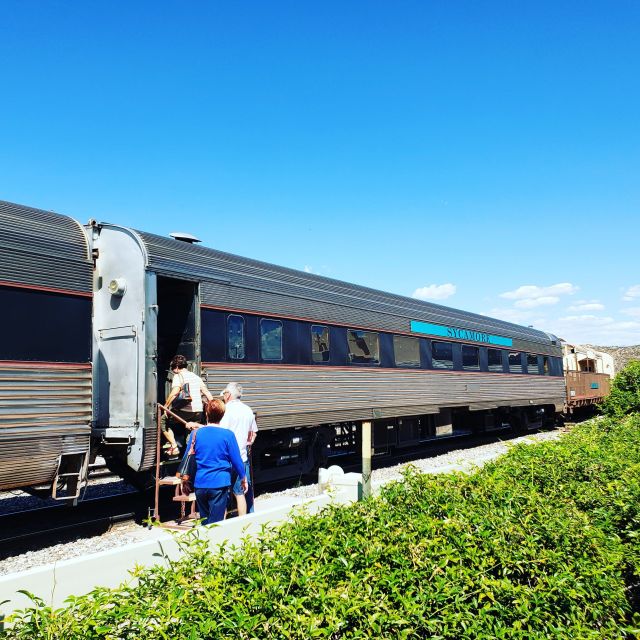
(212, 504)
(179, 432)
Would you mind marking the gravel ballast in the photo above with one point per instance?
(126, 533)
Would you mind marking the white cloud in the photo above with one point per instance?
(632, 293)
(576, 328)
(593, 329)
(530, 303)
(531, 296)
(307, 269)
(531, 291)
(516, 316)
(586, 319)
(586, 305)
(581, 322)
(632, 326)
(435, 292)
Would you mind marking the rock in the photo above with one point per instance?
(621, 355)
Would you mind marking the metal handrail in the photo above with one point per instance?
(159, 411)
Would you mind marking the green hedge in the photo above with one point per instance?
(543, 543)
(624, 397)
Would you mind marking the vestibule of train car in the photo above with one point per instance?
(178, 327)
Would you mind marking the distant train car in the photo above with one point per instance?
(588, 375)
(316, 356)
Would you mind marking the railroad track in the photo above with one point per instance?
(429, 449)
(453, 443)
(46, 526)
(43, 527)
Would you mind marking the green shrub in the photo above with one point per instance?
(625, 391)
(543, 543)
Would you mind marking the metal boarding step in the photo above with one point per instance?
(183, 498)
(70, 473)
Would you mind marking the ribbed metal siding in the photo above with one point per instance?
(235, 282)
(150, 441)
(44, 249)
(305, 396)
(45, 411)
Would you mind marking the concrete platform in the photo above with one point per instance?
(56, 582)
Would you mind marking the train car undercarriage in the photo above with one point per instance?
(295, 453)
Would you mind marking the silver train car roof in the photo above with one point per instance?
(271, 289)
(33, 238)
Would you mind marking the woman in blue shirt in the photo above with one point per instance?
(216, 452)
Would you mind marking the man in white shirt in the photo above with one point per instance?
(239, 418)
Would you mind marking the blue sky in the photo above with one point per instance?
(454, 151)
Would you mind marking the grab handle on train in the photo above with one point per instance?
(173, 415)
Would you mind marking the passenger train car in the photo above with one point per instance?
(92, 315)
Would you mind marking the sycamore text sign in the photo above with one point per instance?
(459, 334)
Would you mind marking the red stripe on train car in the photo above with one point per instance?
(365, 368)
(24, 364)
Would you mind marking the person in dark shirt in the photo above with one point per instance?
(217, 452)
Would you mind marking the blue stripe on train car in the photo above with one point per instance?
(460, 334)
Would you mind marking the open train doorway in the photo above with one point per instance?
(178, 327)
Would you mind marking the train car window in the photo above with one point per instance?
(363, 347)
(442, 355)
(470, 358)
(235, 337)
(319, 343)
(270, 339)
(546, 369)
(65, 336)
(406, 351)
(515, 362)
(214, 345)
(494, 358)
(532, 363)
(559, 370)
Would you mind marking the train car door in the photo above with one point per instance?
(121, 321)
(178, 329)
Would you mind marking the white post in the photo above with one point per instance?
(366, 459)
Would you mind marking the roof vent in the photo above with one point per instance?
(184, 237)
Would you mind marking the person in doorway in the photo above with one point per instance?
(173, 430)
(217, 454)
(240, 419)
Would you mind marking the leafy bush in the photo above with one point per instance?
(543, 543)
(625, 391)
